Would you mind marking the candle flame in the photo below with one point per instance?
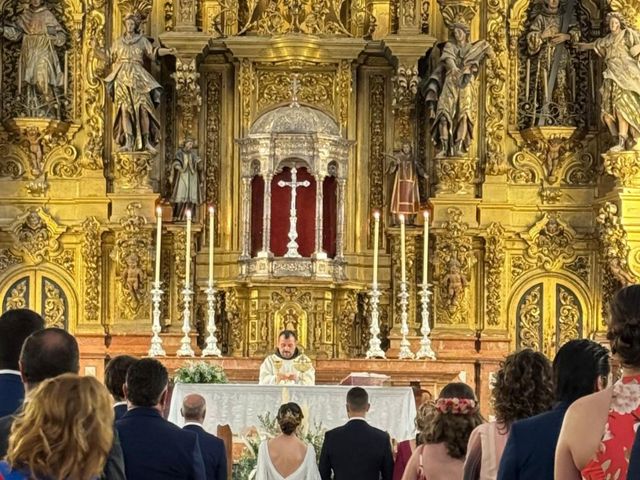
(211, 209)
(376, 214)
(401, 217)
(188, 214)
(158, 211)
(426, 214)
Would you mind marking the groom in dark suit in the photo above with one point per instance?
(15, 326)
(214, 455)
(356, 451)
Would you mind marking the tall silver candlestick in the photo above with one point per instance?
(425, 342)
(374, 341)
(156, 349)
(211, 348)
(405, 351)
(185, 343)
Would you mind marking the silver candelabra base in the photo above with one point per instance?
(156, 349)
(211, 349)
(425, 342)
(405, 350)
(185, 349)
(374, 350)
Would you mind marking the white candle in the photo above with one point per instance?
(211, 236)
(187, 259)
(425, 255)
(158, 242)
(403, 268)
(376, 234)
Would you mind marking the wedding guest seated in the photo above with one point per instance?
(580, 368)
(286, 456)
(114, 378)
(407, 447)
(523, 388)
(356, 450)
(445, 435)
(15, 326)
(598, 430)
(65, 431)
(214, 455)
(153, 447)
(46, 354)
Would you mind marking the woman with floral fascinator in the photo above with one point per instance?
(452, 418)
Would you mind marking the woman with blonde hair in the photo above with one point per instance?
(286, 457)
(449, 423)
(65, 431)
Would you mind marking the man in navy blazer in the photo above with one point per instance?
(634, 460)
(581, 367)
(214, 455)
(153, 447)
(356, 450)
(114, 377)
(15, 327)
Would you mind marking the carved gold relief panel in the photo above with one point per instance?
(548, 313)
(42, 292)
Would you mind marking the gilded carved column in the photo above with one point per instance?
(246, 218)
(185, 16)
(266, 218)
(319, 225)
(188, 95)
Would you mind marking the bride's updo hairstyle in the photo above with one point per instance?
(624, 326)
(289, 417)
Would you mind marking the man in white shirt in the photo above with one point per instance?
(287, 366)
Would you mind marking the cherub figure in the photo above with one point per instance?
(133, 277)
(454, 282)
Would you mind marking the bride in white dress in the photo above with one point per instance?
(286, 457)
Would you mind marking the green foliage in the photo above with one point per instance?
(200, 372)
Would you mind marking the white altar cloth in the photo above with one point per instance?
(393, 409)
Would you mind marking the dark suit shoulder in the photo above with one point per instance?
(538, 423)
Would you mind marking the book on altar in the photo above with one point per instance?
(365, 379)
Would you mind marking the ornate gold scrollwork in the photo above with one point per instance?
(530, 319)
(187, 92)
(456, 175)
(550, 242)
(132, 170)
(8, 259)
(315, 88)
(454, 260)
(458, 11)
(36, 234)
(213, 82)
(494, 257)
(569, 316)
(405, 87)
(496, 100)
(131, 253)
(625, 166)
(54, 308)
(614, 245)
(16, 297)
(91, 257)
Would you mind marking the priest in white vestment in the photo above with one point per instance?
(287, 366)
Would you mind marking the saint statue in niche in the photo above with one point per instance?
(620, 108)
(184, 178)
(405, 196)
(39, 69)
(550, 74)
(134, 91)
(451, 92)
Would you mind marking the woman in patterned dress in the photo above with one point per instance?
(599, 429)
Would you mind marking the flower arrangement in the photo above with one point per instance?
(245, 469)
(456, 406)
(200, 372)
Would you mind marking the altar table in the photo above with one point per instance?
(393, 409)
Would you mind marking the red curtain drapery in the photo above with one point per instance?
(329, 215)
(306, 213)
(257, 206)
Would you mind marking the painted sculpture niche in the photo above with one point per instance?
(41, 80)
(134, 91)
(185, 179)
(620, 91)
(451, 92)
(405, 196)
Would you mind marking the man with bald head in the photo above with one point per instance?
(214, 455)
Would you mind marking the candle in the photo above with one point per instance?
(403, 268)
(158, 242)
(187, 258)
(211, 212)
(376, 234)
(425, 248)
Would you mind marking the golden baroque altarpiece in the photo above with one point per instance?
(534, 218)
